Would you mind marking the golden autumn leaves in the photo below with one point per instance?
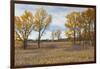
(77, 23)
(81, 25)
(25, 23)
(41, 22)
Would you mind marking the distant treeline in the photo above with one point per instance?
(47, 40)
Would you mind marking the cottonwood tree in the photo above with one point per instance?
(52, 35)
(56, 34)
(82, 23)
(41, 22)
(24, 26)
(89, 23)
(72, 23)
(69, 34)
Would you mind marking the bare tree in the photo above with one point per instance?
(56, 34)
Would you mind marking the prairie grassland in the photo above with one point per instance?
(52, 53)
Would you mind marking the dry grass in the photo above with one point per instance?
(51, 53)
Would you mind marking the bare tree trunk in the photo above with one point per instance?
(25, 43)
(74, 38)
(58, 37)
(84, 38)
(39, 40)
(79, 37)
(94, 36)
(90, 35)
(77, 41)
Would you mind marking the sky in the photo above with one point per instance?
(58, 14)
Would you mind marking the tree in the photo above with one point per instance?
(72, 22)
(69, 34)
(41, 22)
(58, 33)
(53, 35)
(89, 18)
(16, 36)
(82, 23)
(24, 26)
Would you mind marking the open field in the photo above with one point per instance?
(53, 52)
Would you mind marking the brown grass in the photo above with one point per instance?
(53, 52)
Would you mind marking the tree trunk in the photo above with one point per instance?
(80, 37)
(25, 43)
(94, 36)
(39, 40)
(58, 38)
(84, 38)
(74, 38)
(90, 35)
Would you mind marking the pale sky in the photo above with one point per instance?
(58, 14)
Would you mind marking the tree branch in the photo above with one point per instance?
(19, 35)
(43, 30)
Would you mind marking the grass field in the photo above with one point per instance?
(53, 52)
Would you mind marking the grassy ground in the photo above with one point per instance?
(51, 53)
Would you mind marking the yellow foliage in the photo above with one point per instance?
(41, 19)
